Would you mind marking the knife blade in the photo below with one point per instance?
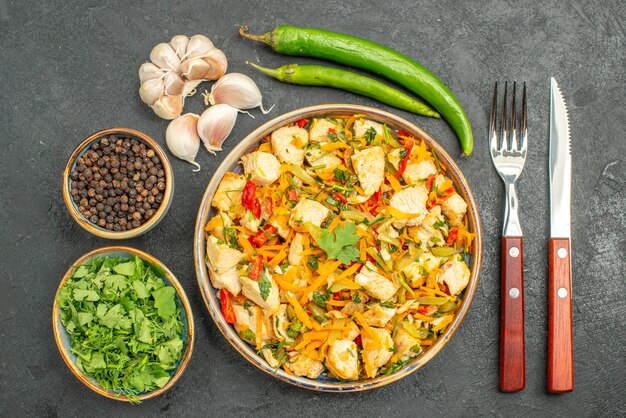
(560, 344)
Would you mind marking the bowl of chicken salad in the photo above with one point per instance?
(338, 248)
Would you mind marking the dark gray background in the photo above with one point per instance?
(69, 70)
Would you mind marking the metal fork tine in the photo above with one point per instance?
(524, 130)
(503, 131)
(513, 122)
(493, 138)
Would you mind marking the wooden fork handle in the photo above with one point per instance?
(560, 345)
(512, 358)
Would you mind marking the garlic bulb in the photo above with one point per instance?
(182, 138)
(237, 90)
(198, 46)
(151, 90)
(165, 57)
(217, 64)
(179, 45)
(149, 71)
(194, 68)
(168, 107)
(215, 124)
(173, 83)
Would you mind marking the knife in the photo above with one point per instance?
(560, 347)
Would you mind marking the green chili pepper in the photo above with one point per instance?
(318, 75)
(367, 55)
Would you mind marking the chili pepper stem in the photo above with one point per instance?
(243, 31)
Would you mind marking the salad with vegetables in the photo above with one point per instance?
(342, 249)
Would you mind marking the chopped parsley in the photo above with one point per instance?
(264, 285)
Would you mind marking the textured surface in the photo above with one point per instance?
(69, 70)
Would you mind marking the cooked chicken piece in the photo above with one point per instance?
(269, 357)
(246, 319)
(369, 165)
(379, 356)
(308, 211)
(218, 231)
(227, 279)
(378, 315)
(455, 275)
(375, 285)
(411, 201)
(315, 157)
(249, 221)
(303, 365)
(352, 332)
(288, 144)
(352, 307)
(263, 167)
(252, 290)
(454, 208)
(228, 194)
(423, 265)
(415, 173)
(407, 346)
(362, 126)
(428, 234)
(281, 322)
(342, 360)
(394, 158)
(295, 250)
(318, 132)
(221, 256)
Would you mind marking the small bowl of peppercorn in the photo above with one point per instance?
(118, 183)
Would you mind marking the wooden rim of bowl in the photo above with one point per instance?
(57, 326)
(167, 194)
(209, 293)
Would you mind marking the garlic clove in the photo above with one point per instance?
(149, 71)
(151, 91)
(217, 63)
(198, 47)
(168, 107)
(179, 45)
(237, 90)
(215, 124)
(182, 138)
(165, 57)
(190, 87)
(174, 84)
(194, 68)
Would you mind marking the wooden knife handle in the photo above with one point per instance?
(560, 346)
(512, 358)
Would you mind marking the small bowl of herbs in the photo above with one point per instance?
(123, 324)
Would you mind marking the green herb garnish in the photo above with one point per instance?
(124, 324)
(340, 243)
(264, 286)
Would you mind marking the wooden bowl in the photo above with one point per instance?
(206, 212)
(62, 337)
(102, 232)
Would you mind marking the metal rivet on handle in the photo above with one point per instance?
(562, 292)
(514, 252)
(562, 253)
(514, 292)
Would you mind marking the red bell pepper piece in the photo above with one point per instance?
(405, 159)
(423, 309)
(256, 208)
(266, 138)
(332, 130)
(269, 205)
(358, 341)
(452, 236)
(257, 267)
(259, 239)
(270, 229)
(302, 122)
(247, 197)
(227, 306)
(430, 181)
(402, 133)
(292, 194)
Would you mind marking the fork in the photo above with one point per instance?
(508, 156)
